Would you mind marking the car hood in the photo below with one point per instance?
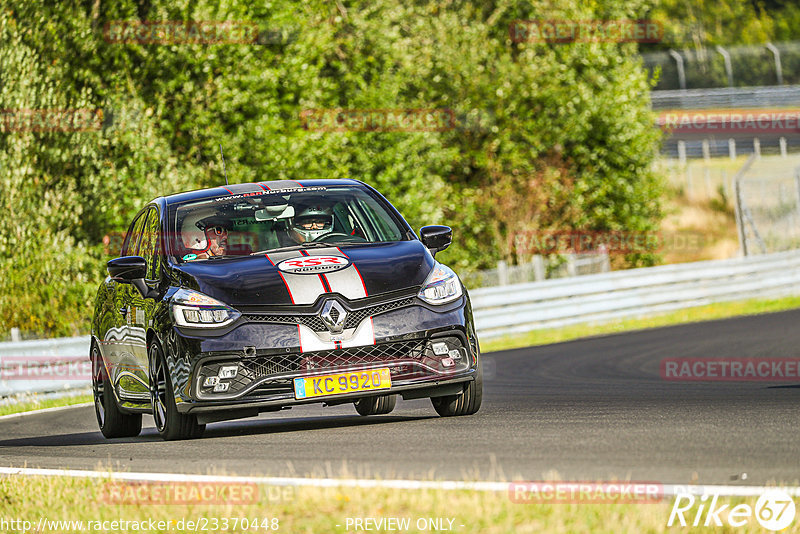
(276, 279)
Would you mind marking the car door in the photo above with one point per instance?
(122, 360)
(133, 380)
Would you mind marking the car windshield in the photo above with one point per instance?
(239, 225)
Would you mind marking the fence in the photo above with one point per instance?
(623, 294)
(539, 268)
(734, 66)
(727, 98)
(769, 179)
(767, 201)
(56, 358)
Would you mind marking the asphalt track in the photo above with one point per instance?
(590, 409)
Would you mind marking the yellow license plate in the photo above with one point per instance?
(322, 386)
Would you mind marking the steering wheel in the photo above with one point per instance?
(347, 237)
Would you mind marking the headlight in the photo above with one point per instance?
(441, 286)
(196, 310)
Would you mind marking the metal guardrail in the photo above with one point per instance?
(515, 308)
(632, 293)
(44, 365)
(727, 97)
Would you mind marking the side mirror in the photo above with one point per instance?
(131, 270)
(127, 268)
(436, 238)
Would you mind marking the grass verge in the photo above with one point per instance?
(321, 510)
(34, 402)
(701, 313)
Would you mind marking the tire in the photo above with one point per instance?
(467, 402)
(170, 423)
(112, 422)
(376, 405)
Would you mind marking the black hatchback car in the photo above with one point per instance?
(236, 300)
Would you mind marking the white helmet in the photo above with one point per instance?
(313, 223)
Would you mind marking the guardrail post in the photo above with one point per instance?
(732, 148)
(797, 188)
(778, 70)
(782, 142)
(706, 151)
(728, 67)
(738, 205)
(757, 147)
(681, 74)
(502, 273)
(682, 152)
(571, 270)
(15, 334)
(538, 267)
(606, 265)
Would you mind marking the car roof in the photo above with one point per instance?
(255, 187)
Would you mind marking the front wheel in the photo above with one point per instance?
(112, 422)
(170, 423)
(376, 405)
(467, 402)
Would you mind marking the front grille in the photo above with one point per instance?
(272, 374)
(311, 321)
(328, 359)
(354, 317)
(272, 365)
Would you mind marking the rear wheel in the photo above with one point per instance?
(170, 423)
(376, 405)
(112, 422)
(465, 403)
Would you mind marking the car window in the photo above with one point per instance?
(149, 245)
(131, 243)
(236, 225)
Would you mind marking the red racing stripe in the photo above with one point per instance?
(322, 278)
(300, 338)
(285, 284)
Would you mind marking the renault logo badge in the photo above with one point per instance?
(334, 316)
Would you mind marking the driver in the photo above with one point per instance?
(311, 224)
(215, 230)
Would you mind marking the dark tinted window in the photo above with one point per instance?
(236, 225)
(149, 245)
(131, 243)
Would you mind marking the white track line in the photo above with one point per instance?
(45, 410)
(669, 489)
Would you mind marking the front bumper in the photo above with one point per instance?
(264, 376)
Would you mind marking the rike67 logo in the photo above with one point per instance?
(774, 510)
